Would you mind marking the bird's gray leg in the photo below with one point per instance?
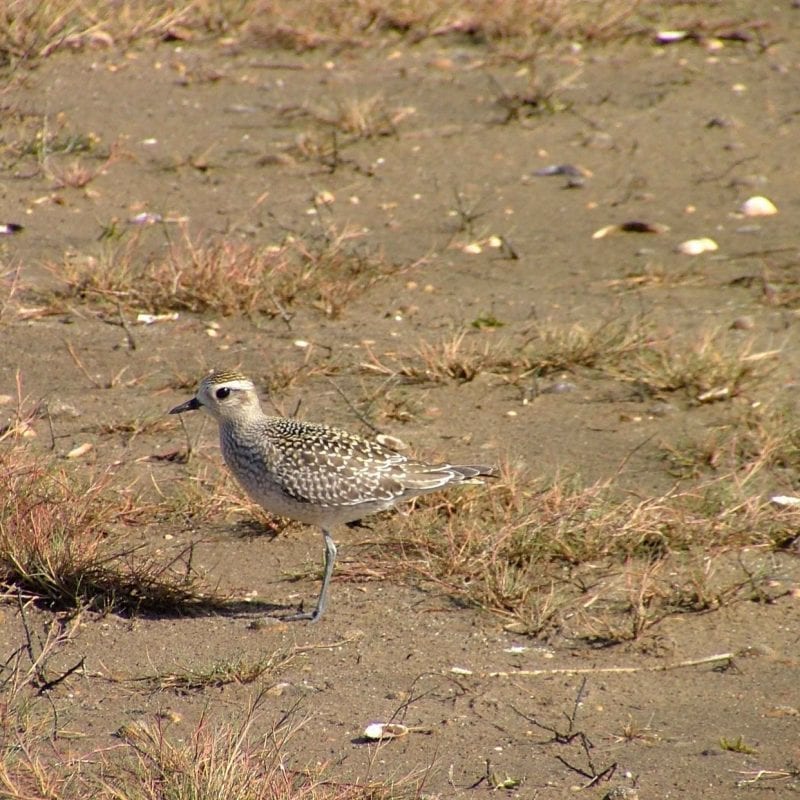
(322, 601)
(330, 560)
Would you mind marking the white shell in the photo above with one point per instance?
(693, 247)
(712, 395)
(601, 233)
(150, 319)
(785, 500)
(385, 730)
(668, 37)
(80, 450)
(758, 206)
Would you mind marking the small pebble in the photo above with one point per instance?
(621, 793)
(785, 500)
(758, 650)
(712, 395)
(743, 323)
(661, 409)
(324, 198)
(58, 408)
(562, 169)
(146, 218)
(560, 387)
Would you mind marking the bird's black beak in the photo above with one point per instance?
(190, 405)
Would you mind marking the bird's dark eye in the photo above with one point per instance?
(222, 392)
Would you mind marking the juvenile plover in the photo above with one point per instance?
(313, 473)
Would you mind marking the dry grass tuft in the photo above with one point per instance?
(31, 30)
(57, 544)
(711, 368)
(552, 348)
(219, 761)
(458, 358)
(226, 277)
(361, 118)
(583, 559)
(240, 670)
(708, 370)
(216, 760)
(756, 440)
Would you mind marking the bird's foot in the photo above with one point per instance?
(300, 615)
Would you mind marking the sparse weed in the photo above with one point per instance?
(130, 429)
(708, 370)
(539, 555)
(28, 722)
(449, 360)
(634, 731)
(36, 30)
(737, 745)
(464, 355)
(550, 348)
(240, 670)
(656, 276)
(9, 285)
(362, 118)
(56, 543)
(76, 173)
(754, 439)
(460, 357)
(487, 320)
(324, 272)
(218, 761)
(540, 97)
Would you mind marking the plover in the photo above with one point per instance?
(313, 473)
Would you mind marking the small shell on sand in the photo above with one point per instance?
(385, 730)
(670, 37)
(80, 450)
(693, 247)
(632, 226)
(758, 206)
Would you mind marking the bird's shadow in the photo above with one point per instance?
(252, 528)
(253, 611)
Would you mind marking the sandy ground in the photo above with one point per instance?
(218, 138)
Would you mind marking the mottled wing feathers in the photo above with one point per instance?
(330, 467)
(326, 466)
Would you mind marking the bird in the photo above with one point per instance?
(310, 472)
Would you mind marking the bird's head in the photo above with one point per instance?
(224, 394)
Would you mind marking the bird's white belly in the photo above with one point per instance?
(276, 501)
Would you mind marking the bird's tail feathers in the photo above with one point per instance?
(429, 478)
